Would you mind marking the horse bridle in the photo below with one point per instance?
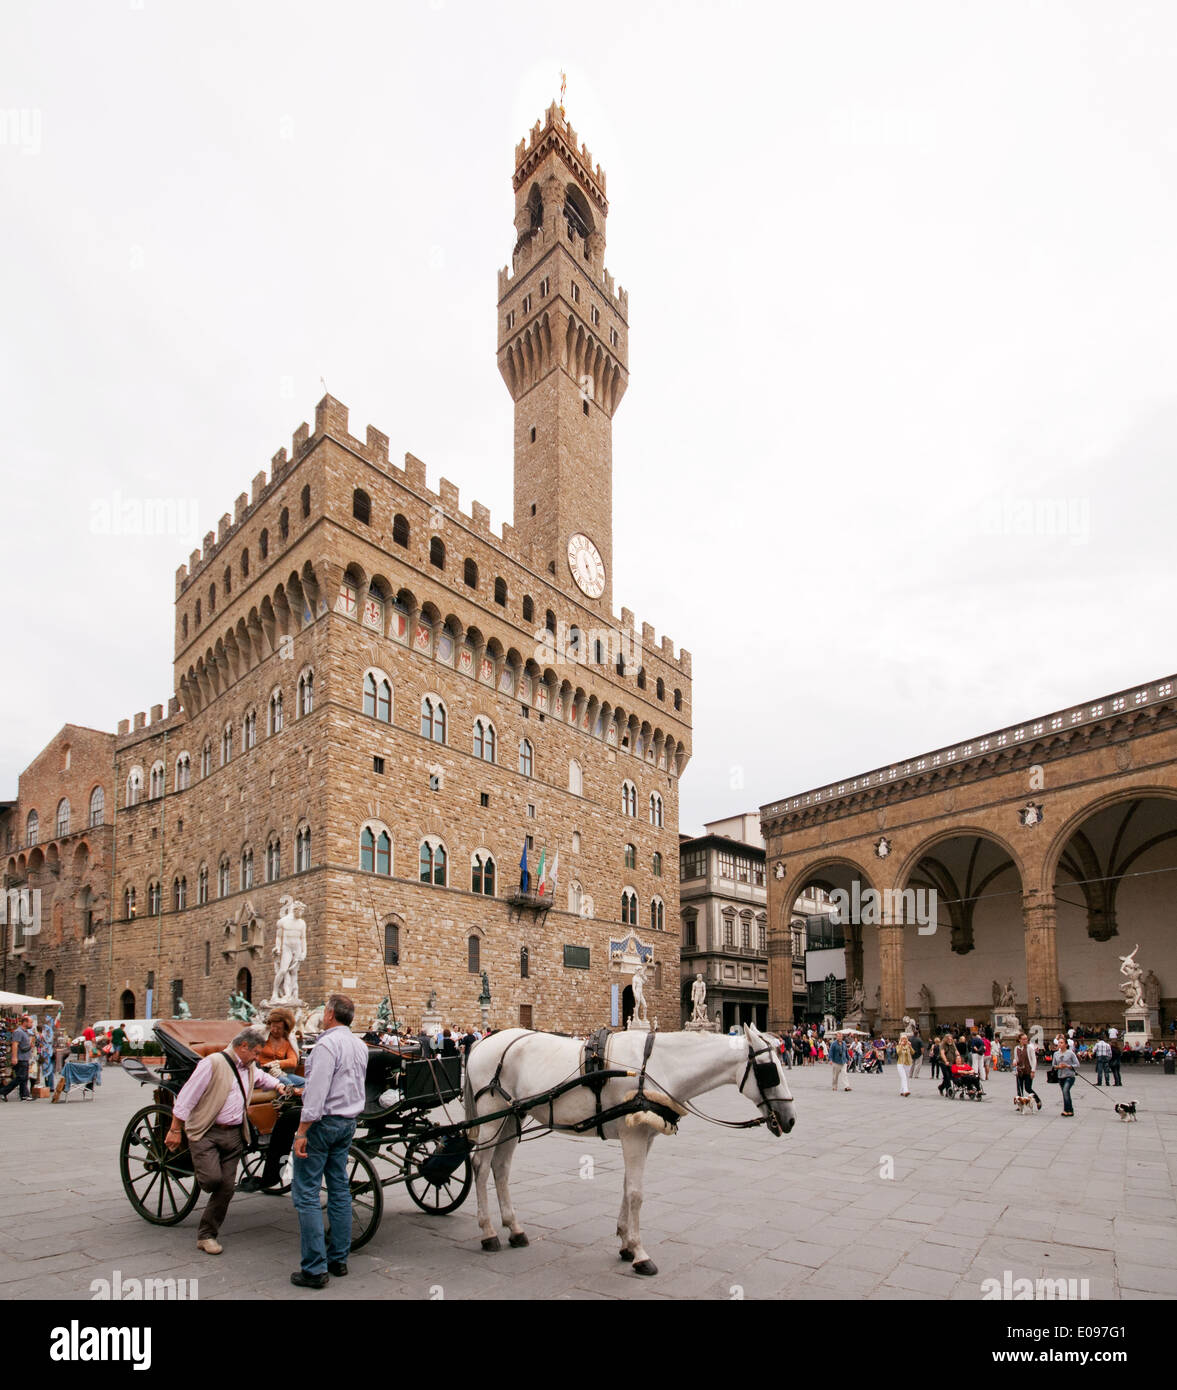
(767, 1078)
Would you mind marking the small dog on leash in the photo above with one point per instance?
(1127, 1111)
(1023, 1104)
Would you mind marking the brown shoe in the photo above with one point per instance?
(209, 1246)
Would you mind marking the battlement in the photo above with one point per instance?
(128, 728)
(534, 247)
(554, 120)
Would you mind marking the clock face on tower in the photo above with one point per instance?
(588, 569)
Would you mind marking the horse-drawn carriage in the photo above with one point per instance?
(627, 1086)
(394, 1141)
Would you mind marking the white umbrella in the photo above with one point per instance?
(853, 1032)
(24, 1001)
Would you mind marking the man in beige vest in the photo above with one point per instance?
(211, 1106)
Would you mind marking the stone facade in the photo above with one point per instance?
(1050, 849)
(321, 636)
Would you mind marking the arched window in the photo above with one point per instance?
(157, 779)
(246, 869)
(302, 851)
(437, 552)
(274, 717)
(184, 627)
(657, 865)
(641, 678)
(305, 497)
(97, 806)
(482, 873)
(524, 962)
(400, 530)
(485, 740)
(655, 809)
(629, 908)
(128, 903)
(433, 719)
(470, 574)
(574, 897)
(180, 893)
(361, 506)
(378, 696)
(678, 699)
(50, 983)
(206, 758)
(629, 799)
(284, 524)
(501, 592)
(472, 955)
(202, 885)
(227, 744)
(526, 757)
(273, 859)
(183, 772)
(660, 688)
(550, 621)
(223, 877)
(599, 652)
(212, 598)
(228, 580)
(245, 564)
(575, 778)
(154, 898)
(528, 610)
(306, 693)
(263, 544)
(574, 644)
(376, 851)
(197, 612)
(392, 943)
(249, 731)
(134, 787)
(63, 817)
(631, 857)
(433, 862)
(657, 915)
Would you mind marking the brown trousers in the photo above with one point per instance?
(214, 1158)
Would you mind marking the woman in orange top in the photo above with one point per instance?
(279, 1056)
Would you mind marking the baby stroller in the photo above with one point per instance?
(965, 1084)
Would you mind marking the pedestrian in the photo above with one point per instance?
(212, 1107)
(917, 1052)
(1103, 1062)
(89, 1044)
(988, 1061)
(1025, 1065)
(903, 1062)
(838, 1066)
(21, 1039)
(948, 1059)
(934, 1057)
(424, 1043)
(449, 1048)
(1114, 1061)
(118, 1038)
(1067, 1065)
(976, 1052)
(333, 1097)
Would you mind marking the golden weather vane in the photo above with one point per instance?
(563, 89)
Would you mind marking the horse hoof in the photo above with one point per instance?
(645, 1267)
(519, 1239)
(492, 1244)
(626, 1255)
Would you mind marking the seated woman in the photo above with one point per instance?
(280, 1058)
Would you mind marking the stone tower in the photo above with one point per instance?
(563, 352)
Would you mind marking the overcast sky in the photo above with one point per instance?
(896, 462)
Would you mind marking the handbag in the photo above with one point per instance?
(1052, 1076)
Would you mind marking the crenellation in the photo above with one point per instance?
(449, 497)
(376, 448)
(668, 649)
(240, 507)
(415, 472)
(124, 727)
(181, 579)
(331, 418)
(648, 638)
(194, 563)
(299, 443)
(480, 517)
(210, 544)
(627, 620)
(278, 465)
(173, 705)
(258, 486)
(140, 720)
(156, 713)
(223, 527)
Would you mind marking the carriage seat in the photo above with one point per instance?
(207, 1049)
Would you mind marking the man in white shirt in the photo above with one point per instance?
(1103, 1062)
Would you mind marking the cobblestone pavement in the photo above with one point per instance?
(871, 1195)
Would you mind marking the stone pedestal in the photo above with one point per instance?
(431, 1022)
(704, 1025)
(294, 1005)
(637, 1026)
(1007, 1027)
(926, 1024)
(1137, 1030)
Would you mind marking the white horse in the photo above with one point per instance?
(680, 1067)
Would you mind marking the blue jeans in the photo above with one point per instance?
(1064, 1084)
(1103, 1067)
(328, 1141)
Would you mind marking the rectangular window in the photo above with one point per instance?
(377, 764)
(575, 293)
(530, 814)
(484, 799)
(544, 286)
(207, 956)
(694, 864)
(576, 958)
(758, 875)
(725, 863)
(511, 319)
(527, 304)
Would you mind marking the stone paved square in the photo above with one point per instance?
(977, 1191)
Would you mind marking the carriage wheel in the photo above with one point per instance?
(436, 1191)
(254, 1161)
(367, 1198)
(159, 1182)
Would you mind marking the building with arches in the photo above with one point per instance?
(368, 716)
(1037, 855)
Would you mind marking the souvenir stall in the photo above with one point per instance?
(12, 1008)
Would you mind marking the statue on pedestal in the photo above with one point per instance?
(182, 1010)
(638, 985)
(910, 1027)
(925, 1000)
(1131, 989)
(240, 1009)
(290, 947)
(1007, 996)
(699, 1000)
(1152, 990)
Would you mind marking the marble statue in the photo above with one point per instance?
(857, 1000)
(1131, 988)
(996, 994)
(182, 1010)
(1152, 990)
(431, 1006)
(1007, 996)
(241, 1009)
(290, 946)
(699, 1000)
(925, 999)
(638, 984)
(909, 1025)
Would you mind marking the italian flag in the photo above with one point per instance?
(540, 881)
